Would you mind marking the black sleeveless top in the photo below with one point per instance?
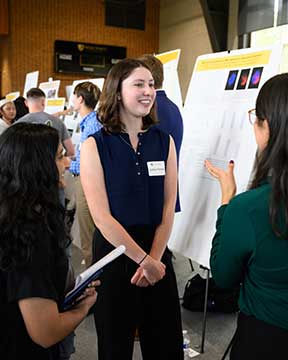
(134, 185)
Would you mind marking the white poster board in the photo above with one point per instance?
(13, 95)
(31, 81)
(50, 88)
(222, 90)
(171, 83)
(72, 122)
(76, 135)
(52, 106)
(68, 90)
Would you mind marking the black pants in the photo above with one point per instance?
(122, 307)
(257, 340)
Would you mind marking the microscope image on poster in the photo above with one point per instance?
(231, 81)
(243, 79)
(255, 78)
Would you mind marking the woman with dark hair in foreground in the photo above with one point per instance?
(33, 264)
(251, 241)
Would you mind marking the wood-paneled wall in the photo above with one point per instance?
(4, 25)
(35, 25)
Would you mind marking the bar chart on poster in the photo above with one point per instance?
(223, 87)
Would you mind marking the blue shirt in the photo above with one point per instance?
(89, 125)
(170, 119)
(172, 123)
(135, 198)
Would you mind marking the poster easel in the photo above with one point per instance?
(223, 87)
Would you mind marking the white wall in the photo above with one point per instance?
(182, 26)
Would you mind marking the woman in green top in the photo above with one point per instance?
(251, 241)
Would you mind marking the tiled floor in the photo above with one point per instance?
(219, 327)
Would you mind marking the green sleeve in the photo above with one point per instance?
(232, 245)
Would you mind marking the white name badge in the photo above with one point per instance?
(156, 168)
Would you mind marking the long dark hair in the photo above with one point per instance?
(21, 108)
(29, 197)
(108, 110)
(272, 162)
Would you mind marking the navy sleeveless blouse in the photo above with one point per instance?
(135, 198)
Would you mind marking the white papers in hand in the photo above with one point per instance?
(81, 278)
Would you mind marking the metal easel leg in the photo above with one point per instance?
(205, 309)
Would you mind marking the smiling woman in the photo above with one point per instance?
(112, 102)
(129, 176)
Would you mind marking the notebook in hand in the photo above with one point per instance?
(89, 275)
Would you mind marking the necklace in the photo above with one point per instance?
(127, 143)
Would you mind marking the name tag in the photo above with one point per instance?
(156, 168)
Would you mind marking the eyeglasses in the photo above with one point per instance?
(61, 155)
(252, 116)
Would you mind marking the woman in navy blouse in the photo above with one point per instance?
(129, 176)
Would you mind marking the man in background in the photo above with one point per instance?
(85, 98)
(35, 101)
(168, 113)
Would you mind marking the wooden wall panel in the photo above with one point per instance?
(35, 25)
(4, 23)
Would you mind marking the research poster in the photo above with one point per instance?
(171, 83)
(31, 80)
(222, 89)
(50, 88)
(54, 105)
(12, 95)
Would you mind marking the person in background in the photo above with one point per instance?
(35, 101)
(85, 98)
(129, 176)
(250, 246)
(21, 107)
(168, 113)
(33, 264)
(7, 114)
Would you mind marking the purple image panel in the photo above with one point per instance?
(231, 81)
(255, 78)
